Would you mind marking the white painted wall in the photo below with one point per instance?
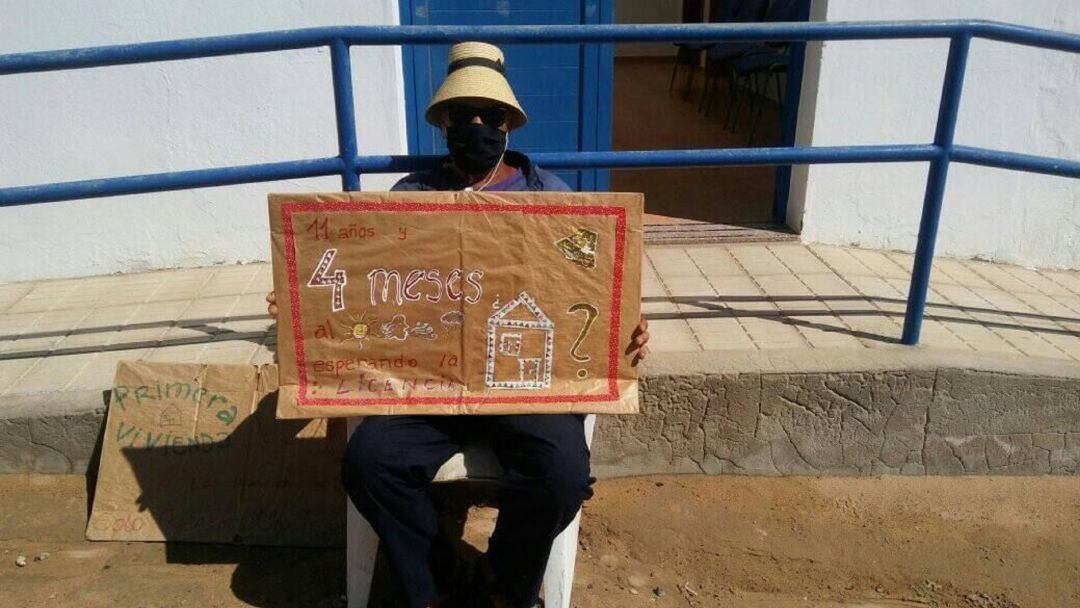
(104, 122)
(1015, 98)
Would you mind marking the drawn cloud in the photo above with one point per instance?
(452, 317)
(396, 328)
(423, 330)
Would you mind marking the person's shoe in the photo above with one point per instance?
(482, 589)
(478, 592)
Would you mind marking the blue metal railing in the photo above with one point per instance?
(349, 164)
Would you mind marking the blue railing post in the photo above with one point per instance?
(341, 64)
(948, 108)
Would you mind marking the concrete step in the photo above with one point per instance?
(778, 412)
(686, 233)
(908, 411)
(767, 358)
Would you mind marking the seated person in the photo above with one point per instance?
(390, 459)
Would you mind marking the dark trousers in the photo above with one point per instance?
(390, 460)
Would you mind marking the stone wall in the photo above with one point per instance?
(939, 422)
(892, 411)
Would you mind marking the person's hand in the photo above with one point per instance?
(271, 304)
(637, 348)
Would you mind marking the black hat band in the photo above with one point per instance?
(480, 61)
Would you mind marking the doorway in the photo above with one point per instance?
(669, 96)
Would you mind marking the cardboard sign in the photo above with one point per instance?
(194, 453)
(456, 302)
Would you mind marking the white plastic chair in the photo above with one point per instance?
(476, 462)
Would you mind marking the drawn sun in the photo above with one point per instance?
(358, 328)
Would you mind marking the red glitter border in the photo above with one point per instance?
(287, 210)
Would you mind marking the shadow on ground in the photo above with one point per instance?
(217, 513)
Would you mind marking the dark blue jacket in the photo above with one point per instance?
(443, 178)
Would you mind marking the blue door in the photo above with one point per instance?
(564, 88)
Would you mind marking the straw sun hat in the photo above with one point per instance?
(476, 70)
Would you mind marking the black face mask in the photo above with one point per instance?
(475, 148)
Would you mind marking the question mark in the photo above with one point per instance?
(590, 315)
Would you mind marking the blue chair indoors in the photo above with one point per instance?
(759, 70)
(689, 53)
(744, 11)
(720, 60)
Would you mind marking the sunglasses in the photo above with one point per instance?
(493, 116)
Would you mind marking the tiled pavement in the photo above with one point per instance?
(69, 334)
(788, 295)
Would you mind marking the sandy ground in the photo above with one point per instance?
(972, 542)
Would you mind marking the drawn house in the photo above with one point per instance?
(519, 345)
